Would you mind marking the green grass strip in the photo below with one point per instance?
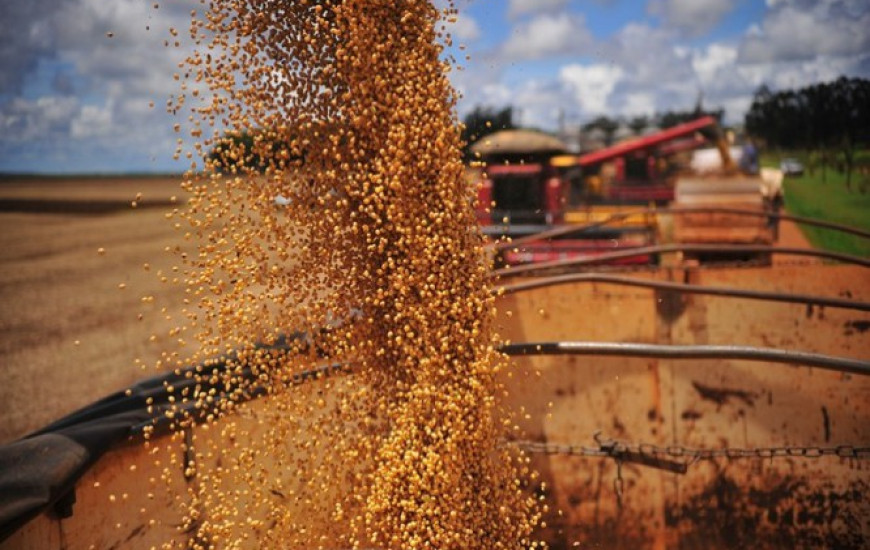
(823, 195)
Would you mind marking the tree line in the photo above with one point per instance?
(829, 120)
(658, 121)
(483, 121)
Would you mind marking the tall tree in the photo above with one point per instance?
(605, 124)
(822, 118)
(638, 124)
(482, 121)
(669, 119)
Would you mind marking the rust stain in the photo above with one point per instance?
(670, 305)
(851, 327)
(618, 427)
(721, 396)
(690, 414)
(789, 513)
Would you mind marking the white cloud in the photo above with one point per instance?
(464, 28)
(641, 68)
(540, 102)
(21, 45)
(636, 70)
(592, 85)
(548, 34)
(735, 107)
(797, 74)
(48, 117)
(495, 94)
(649, 55)
(93, 121)
(113, 54)
(692, 16)
(639, 103)
(521, 7)
(709, 62)
(793, 31)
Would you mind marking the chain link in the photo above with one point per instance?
(677, 458)
(618, 484)
(649, 454)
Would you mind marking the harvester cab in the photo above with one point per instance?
(522, 194)
(520, 191)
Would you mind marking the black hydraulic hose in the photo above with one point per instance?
(527, 269)
(625, 349)
(807, 299)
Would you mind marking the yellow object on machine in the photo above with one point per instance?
(603, 213)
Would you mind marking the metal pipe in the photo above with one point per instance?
(667, 248)
(568, 229)
(627, 349)
(685, 288)
(767, 214)
(556, 232)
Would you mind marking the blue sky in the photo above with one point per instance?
(75, 100)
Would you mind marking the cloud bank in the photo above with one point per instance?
(659, 62)
(84, 83)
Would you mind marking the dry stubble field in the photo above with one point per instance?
(69, 333)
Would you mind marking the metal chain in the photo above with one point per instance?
(677, 458)
(618, 484)
(653, 455)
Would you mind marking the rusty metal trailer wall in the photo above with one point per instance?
(790, 501)
(665, 411)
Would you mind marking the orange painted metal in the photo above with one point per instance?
(713, 404)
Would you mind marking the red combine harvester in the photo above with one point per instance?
(531, 185)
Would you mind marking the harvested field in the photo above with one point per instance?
(69, 333)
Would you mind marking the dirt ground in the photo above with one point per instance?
(790, 235)
(69, 332)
